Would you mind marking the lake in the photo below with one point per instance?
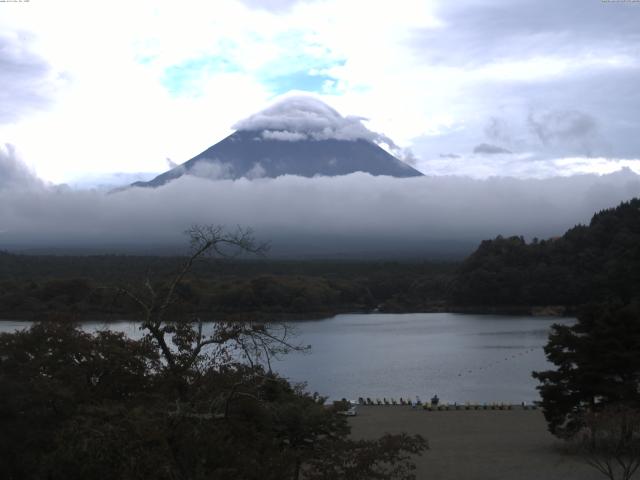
(460, 357)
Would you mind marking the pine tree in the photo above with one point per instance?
(598, 364)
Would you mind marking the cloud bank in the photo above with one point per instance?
(352, 215)
(14, 173)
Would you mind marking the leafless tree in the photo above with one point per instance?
(610, 441)
(189, 346)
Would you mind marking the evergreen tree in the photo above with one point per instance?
(597, 364)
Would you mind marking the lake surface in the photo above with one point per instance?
(460, 357)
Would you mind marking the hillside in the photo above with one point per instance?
(246, 154)
(595, 262)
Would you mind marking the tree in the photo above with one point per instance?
(598, 364)
(610, 441)
(593, 263)
(53, 376)
(187, 401)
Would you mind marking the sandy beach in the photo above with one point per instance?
(477, 445)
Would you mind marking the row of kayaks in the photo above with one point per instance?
(431, 406)
(479, 406)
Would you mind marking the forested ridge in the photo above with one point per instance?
(595, 262)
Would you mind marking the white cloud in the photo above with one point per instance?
(298, 117)
(14, 173)
(274, 5)
(257, 171)
(111, 180)
(113, 113)
(284, 135)
(212, 170)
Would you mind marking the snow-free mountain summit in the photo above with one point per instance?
(296, 136)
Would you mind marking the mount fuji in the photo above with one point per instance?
(297, 136)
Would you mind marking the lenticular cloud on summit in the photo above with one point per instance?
(309, 118)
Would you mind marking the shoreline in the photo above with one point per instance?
(477, 444)
(533, 311)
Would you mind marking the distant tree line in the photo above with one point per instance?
(33, 286)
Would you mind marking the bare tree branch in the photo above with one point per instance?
(610, 441)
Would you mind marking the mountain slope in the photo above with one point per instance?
(297, 135)
(248, 154)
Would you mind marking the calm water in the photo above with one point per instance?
(479, 358)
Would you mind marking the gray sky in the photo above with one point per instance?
(549, 86)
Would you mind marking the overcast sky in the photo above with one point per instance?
(530, 88)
